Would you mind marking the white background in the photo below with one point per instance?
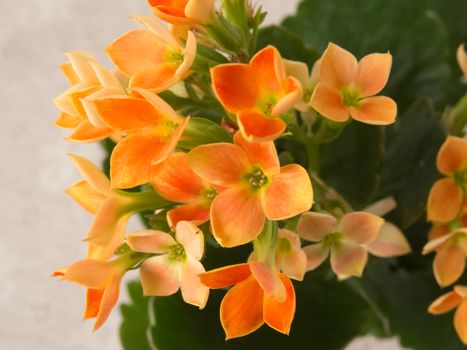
(41, 228)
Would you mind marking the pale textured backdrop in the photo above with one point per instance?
(41, 228)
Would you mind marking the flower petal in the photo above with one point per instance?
(86, 196)
(108, 301)
(106, 223)
(279, 315)
(289, 194)
(338, 67)
(373, 73)
(360, 227)
(159, 276)
(449, 264)
(93, 301)
(150, 241)
(293, 96)
(242, 309)
(67, 121)
(349, 259)
(90, 273)
(263, 154)
(315, 255)
(389, 242)
(328, 102)
(257, 127)
(294, 264)
(221, 164)
(92, 175)
(378, 110)
(155, 78)
(314, 226)
(197, 214)
(268, 69)
(460, 321)
(444, 201)
(86, 133)
(445, 303)
(268, 280)
(70, 74)
(452, 155)
(236, 217)
(436, 243)
(157, 28)
(176, 181)
(192, 239)
(193, 291)
(189, 55)
(226, 276)
(462, 59)
(199, 9)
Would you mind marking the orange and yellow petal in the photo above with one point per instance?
(107, 223)
(389, 242)
(268, 280)
(150, 241)
(67, 121)
(268, 69)
(373, 73)
(360, 227)
(108, 301)
(445, 303)
(236, 217)
(449, 264)
(242, 309)
(191, 238)
(294, 264)
(221, 164)
(348, 259)
(92, 174)
(452, 155)
(279, 315)
(444, 201)
(314, 226)
(289, 194)
(460, 321)
(86, 196)
(378, 110)
(158, 276)
(193, 291)
(293, 94)
(90, 273)
(226, 276)
(155, 78)
(86, 132)
(257, 127)
(338, 67)
(70, 74)
(197, 214)
(93, 301)
(327, 101)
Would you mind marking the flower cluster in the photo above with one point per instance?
(217, 170)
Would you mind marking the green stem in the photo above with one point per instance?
(265, 245)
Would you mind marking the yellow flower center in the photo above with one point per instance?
(256, 179)
(460, 178)
(177, 253)
(267, 103)
(333, 240)
(174, 56)
(283, 246)
(351, 96)
(209, 195)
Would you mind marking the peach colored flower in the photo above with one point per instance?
(176, 182)
(455, 299)
(182, 11)
(256, 187)
(177, 264)
(153, 58)
(152, 130)
(88, 80)
(447, 195)
(257, 93)
(347, 87)
(290, 258)
(259, 295)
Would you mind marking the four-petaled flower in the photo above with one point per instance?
(260, 295)
(447, 195)
(256, 187)
(347, 87)
(258, 93)
(152, 57)
(177, 264)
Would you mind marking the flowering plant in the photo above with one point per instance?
(274, 165)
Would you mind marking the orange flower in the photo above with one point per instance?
(182, 11)
(259, 295)
(153, 130)
(462, 59)
(176, 182)
(88, 80)
(451, 252)
(455, 299)
(345, 240)
(347, 87)
(258, 93)
(447, 195)
(112, 208)
(152, 57)
(256, 187)
(177, 264)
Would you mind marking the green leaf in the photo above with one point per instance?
(409, 167)
(352, 163)
(407, 29)
(201, 131)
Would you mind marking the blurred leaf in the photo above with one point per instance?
(352, 163)
(409, 167)
(200, 131)
(407, 29)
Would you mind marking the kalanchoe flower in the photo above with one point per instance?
(447, 195)
(176, 182)
(182, 11)
(389, 242)
(256, 187)
(112, 208)
(153, 130)
(347, 87)
(455, 299)
(258, 93)
(462, 60)
(451, 252)
(176, 267)
(345, 240)
(152, 57)
(290, 258)
(88, 80)
(260, 295)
